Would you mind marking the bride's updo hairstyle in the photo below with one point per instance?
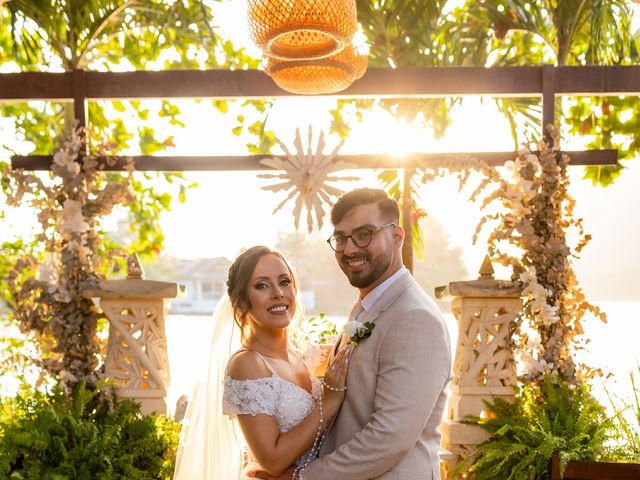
(240, 274)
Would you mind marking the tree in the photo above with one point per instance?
(101, 35)
(96, 34)
(567, 32)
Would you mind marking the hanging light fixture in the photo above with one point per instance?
(301, 29)
(325, 75)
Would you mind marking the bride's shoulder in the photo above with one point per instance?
(247, 365)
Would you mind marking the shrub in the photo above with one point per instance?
(85, 435)
(546, 418)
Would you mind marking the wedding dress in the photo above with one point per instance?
(211, 444)
(287, 402)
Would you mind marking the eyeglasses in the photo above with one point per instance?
(360, 237)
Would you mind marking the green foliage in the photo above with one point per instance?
(83, 436)
(319, 330)
(393, 181)
(11, 251)
(77, 33)
(253, 121)
(626, 446)
(546, 418)
(411, 33)
(612, 123)
(98, 35)
(568, 32)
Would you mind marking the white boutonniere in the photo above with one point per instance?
(357, 331)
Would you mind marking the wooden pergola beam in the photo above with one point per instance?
(377, 82)
(543, 81)
(252, 162)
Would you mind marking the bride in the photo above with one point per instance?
(264, 387)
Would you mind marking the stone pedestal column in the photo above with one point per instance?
(136, 355)
(484, 366)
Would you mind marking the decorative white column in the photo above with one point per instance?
(136, 355)
(484, 366)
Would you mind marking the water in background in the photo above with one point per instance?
(613, 348)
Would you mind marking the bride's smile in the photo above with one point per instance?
(272, 296)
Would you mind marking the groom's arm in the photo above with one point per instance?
(415, 364)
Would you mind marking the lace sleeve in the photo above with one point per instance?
(250, 396)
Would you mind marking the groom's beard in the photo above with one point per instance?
(374, 269)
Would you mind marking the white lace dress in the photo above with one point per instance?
(287, 402)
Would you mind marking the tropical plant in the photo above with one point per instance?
(568, 32)
(85, 436)
(102, 35)
(410, 33)
(546, 418)
(55, 35)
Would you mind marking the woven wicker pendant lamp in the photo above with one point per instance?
(324, 75)
(301, 29)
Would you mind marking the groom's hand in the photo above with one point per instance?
(286, 475)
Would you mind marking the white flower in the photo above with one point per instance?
(532, 159)
(535, 290)
(354, 328)
(533, 342)
(72, 219)
(67, 160)
(510, 166)
(548, 315)
(533, 366)
(527, 187)
(357, 331)
(528, 276)
(47, 270)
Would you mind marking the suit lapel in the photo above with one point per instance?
(386, 300)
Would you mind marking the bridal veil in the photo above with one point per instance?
(211, 445)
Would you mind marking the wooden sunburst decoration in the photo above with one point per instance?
(307, 177)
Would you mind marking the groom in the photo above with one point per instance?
(387, 427)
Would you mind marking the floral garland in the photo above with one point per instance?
(536, 213)
(48, 288)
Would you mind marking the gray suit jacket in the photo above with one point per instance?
(387, 427)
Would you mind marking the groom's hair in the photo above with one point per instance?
(366, 196)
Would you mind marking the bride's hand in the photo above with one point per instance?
(335, 379)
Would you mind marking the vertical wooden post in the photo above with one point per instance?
(79, 98)
(407, 221)
(548, 100)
